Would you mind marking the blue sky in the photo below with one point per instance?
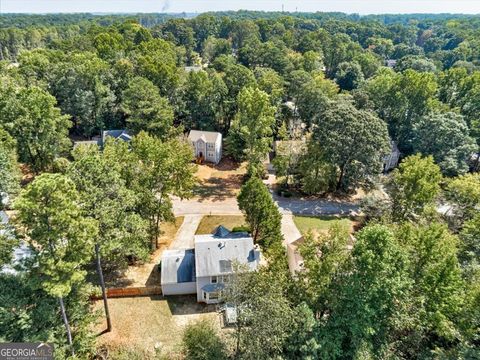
(348, 6)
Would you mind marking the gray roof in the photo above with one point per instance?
(178, 266)
(21, 252)
(116, 134)
(207, 136)
(213, 287)
(215, 255)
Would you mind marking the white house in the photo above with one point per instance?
(390, 161)
(207, 269)
(20, 253)
(207, 145)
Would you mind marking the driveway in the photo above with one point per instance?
(185, 235)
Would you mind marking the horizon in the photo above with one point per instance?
(362, 7)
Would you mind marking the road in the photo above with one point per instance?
(287, 206)
(194, 209)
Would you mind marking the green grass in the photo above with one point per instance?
(210, 222)
(319, 223)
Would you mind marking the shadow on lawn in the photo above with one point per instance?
(184, 304)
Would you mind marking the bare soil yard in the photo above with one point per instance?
(152, 322)
(218, 182)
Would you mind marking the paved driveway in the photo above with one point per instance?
(185, 235)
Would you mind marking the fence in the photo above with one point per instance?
(130, 292)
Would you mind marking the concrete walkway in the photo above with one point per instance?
(185, 235)
(289, 230)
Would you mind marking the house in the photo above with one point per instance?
(100, 140)
(207, 145)
(390, 161)
(21, 252)
(391, 63)
(207, 268)
(115, 134)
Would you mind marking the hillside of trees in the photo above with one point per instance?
(345, 85)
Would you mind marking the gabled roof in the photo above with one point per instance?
(215, 255)
(116, 134)
(207, 136)
(178, 266)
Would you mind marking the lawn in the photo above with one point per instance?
(209, 223)
(168, 231)
(318, 224)
(151, 322)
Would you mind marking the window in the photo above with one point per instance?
(213, 296)
(213, 279)
(204, 295)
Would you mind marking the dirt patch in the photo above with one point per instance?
(152, 322)
(218, 182)
(209, 223)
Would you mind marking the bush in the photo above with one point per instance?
(201, 342)
(243, 228)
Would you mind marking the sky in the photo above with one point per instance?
(197, 6)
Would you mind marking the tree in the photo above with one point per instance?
(254, 126)
(463, 194)
(200, 101)
(349, 75)
(371, 299)
(59, 234)
(271, 82)
(80, 84)
(156, 60)
(452, 146)
(414, 186)
(324, 257)
(415, 62)
(353, 141)
(313, 96)
(9, 172)
(201, 342)
(37, 125)
(105, 199)
(437, 293)
(401, 99)
(154, 170)
(261, 212)
(145, 109)
(265, 321)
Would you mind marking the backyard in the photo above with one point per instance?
(151, 323)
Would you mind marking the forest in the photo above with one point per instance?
(346, 86)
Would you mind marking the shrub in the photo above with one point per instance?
(243, 228)
(201, 342)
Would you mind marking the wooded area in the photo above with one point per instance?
(346, 87)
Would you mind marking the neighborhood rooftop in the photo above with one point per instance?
(207, 136)
(216, 255)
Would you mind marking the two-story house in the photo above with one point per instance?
(206, 269)
(207, 145)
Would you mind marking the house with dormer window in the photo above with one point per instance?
(207, 269)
